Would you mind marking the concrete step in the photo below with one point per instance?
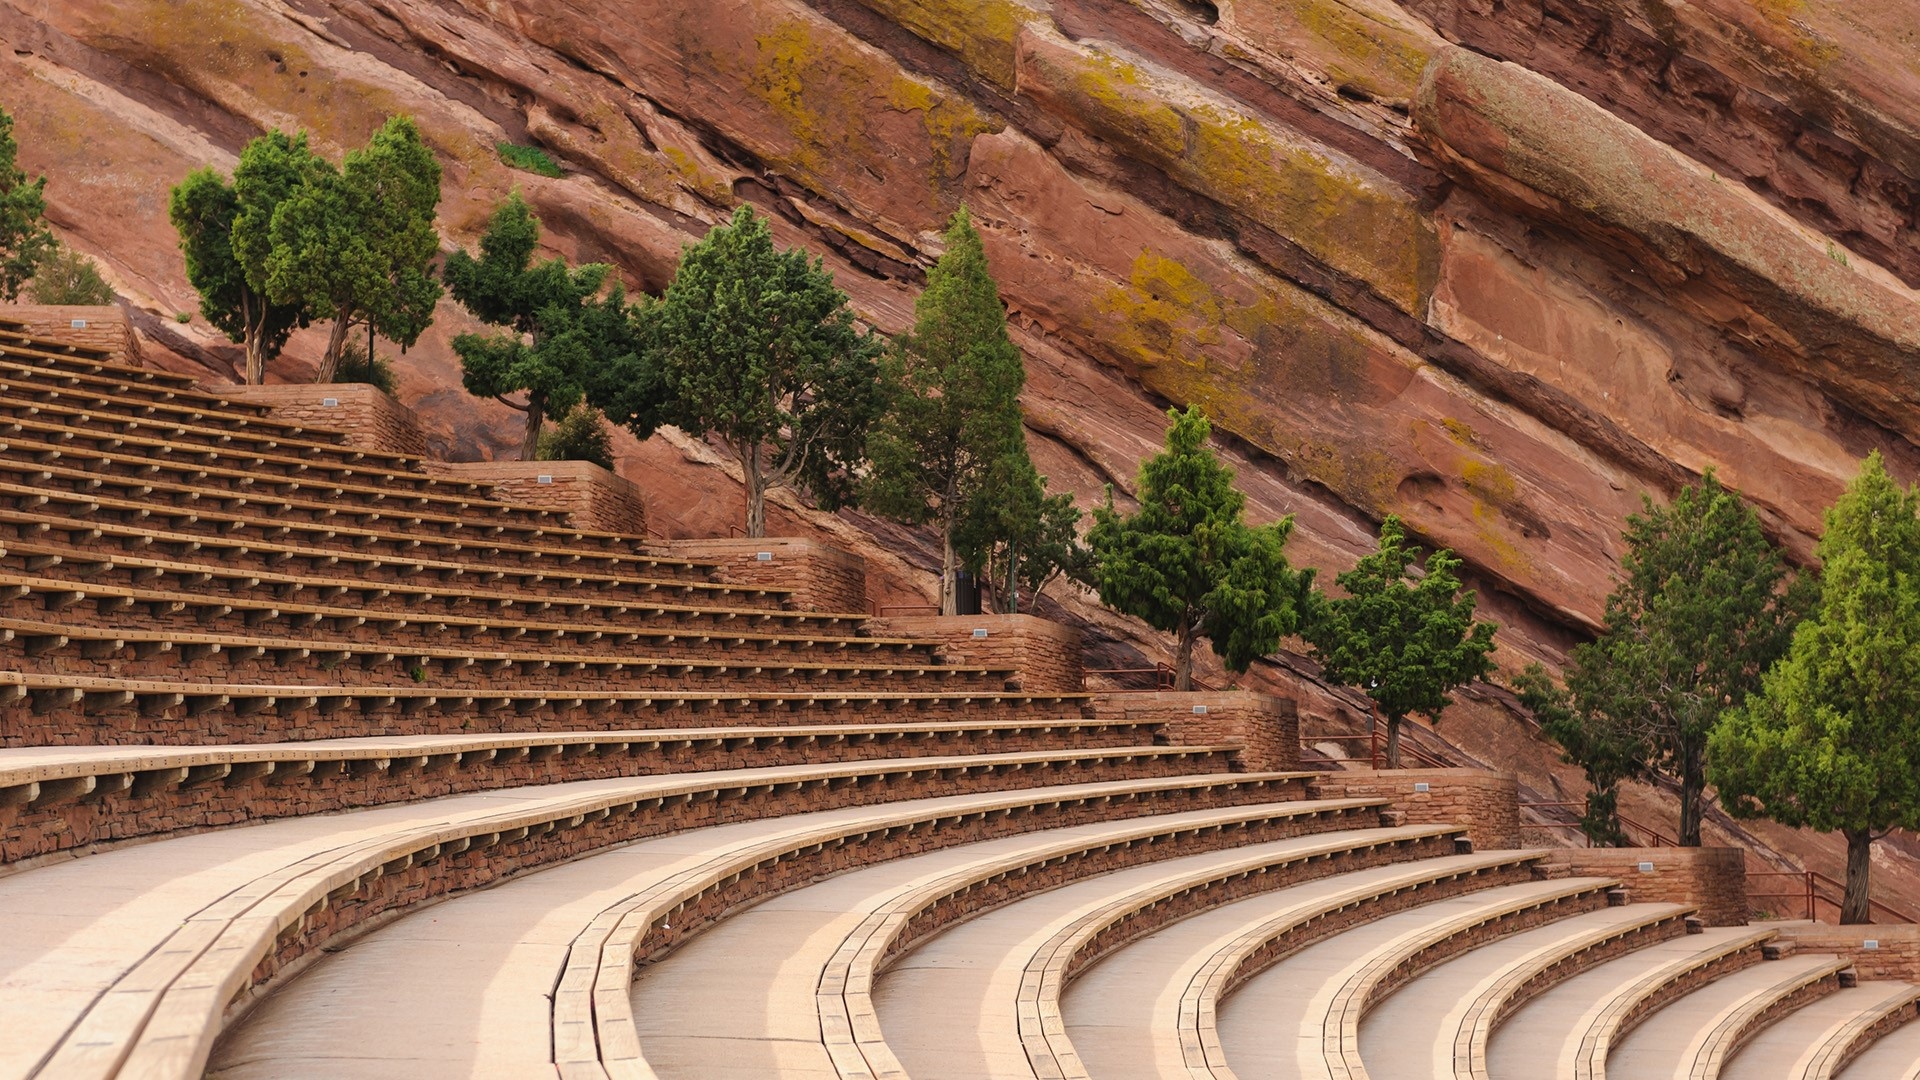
(1808, 1043)
(1893, 1056)
(1694, 1036)
(137, 953)
(1569, 1029)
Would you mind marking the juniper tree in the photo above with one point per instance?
(1403, 640)
(564, 341)
(951, 440)
(1186, 561)
(1021, 538)
(355, 244)
(759, 348)
(1706, 604)
(24, 237)
(1831, 739)
(225, 229)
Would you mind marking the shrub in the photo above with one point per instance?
(529, 158)
(65, 276)
(356, 367)
(581, 435)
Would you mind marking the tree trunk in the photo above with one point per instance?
(756, 485)
(1857, 905)
(1183, 657)
(949, 594)
(336, 344)
(530, 439)
(256, 373)
(1693, 784)
(1393, 742)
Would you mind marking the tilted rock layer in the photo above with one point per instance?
(1501, 267)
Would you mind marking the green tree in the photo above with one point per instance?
(1405, 641)
(1186, 561)
(954, 410)
(1706, 605)
(65, 276)
(581, 435)
(355, 245)
(357, 365)
(1021, 538)
(24, 236)
(1831, 740)
(1607, 754)
(760, 349)
(565, 340)
(224, 234)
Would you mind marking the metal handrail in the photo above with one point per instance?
(880, 610)
(1658, 838)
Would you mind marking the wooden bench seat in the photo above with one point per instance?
(374, 578)
(85, 429)
(322, 547)
(89, 797)
(18, 338)
(44, 709)
(164, 972)
(174, 476)
(132, 652)
(419, 611)
(81, 514)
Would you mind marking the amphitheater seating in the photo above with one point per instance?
(517, 798)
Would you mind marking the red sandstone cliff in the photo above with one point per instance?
(1498, 266)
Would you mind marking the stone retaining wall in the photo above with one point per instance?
(1895, 953)
(1266, 728)
(368, 418)
(1487, 803)
(821, 577)
(1714, 879)
(593, 498)
(1044, 656)
(104, 327)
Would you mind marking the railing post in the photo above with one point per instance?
(1373, 738)
(1810, 908)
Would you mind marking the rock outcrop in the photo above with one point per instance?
(1498, 266)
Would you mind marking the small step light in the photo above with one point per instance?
(1646, 868)
(979, 633)
(1421, 787)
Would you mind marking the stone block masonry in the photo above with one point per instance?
(1713, 879)
(1044, 656)
(104, 328)
(1487, 803)
(1894, 951)
(368, 418)
(821, 577)
(593, 498)
(1267, 729)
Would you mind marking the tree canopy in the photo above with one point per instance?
(224, 234)
(24, 237)
(1403, 640)
(565, 341)
(1706, 605)
(1021, 538)
(65, 276)
(355, 244)
(1831, 740)
(759, 348)
(950, 440)
(1186, 561)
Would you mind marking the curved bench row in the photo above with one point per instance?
(158, 1016)
(55, 799)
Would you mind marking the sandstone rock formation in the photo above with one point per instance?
(1497, 266)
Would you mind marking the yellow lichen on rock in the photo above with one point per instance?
(980, 32)
(1369, 46)
(1338, 210)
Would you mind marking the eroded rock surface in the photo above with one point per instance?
(1497, 267)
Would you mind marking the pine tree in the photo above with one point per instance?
(955, 409)
(1831, 740)
(225, 235)
(1404, 643)
(1187, 562)
(1021, 538)
(355, 244)
(565, 342)
(760, 349)
(24, 237)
